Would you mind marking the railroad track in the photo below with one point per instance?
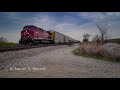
(14, 48)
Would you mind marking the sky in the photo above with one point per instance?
(73, 24)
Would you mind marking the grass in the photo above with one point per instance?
(93, 51)
(3, 44)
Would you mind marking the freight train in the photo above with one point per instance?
(32, 35)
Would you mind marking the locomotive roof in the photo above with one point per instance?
(35, 27)
(29, 26)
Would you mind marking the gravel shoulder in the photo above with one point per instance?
(54, 62)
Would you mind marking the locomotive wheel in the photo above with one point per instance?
(31, 43)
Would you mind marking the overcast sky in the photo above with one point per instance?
(73, 24)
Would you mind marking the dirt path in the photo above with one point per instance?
(60, 63)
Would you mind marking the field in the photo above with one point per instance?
(2, 44)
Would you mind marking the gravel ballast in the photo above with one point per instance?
(111, 50)
(9, 57)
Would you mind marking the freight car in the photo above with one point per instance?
(32, 35)
(60, 38)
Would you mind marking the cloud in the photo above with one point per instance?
(113, 13)
(100, 17)
(73, 24)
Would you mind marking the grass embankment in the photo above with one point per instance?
(94, 51)
(3, 44)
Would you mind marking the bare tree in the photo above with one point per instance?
(86, 37)
(103, 30)
(96, 39)
(2, 39)
(108, 36)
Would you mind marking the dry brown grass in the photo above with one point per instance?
(98, 50)
(90, 48)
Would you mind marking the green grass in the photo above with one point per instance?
(2, 44)
(98, 57)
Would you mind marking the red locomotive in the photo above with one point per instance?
(32, 35)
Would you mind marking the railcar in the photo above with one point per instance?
(60, 38)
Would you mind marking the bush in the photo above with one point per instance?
(4, 42)
(91, 49)
(109, 50)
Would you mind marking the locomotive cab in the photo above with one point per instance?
(27, 36)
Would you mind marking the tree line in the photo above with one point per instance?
(104, 36)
